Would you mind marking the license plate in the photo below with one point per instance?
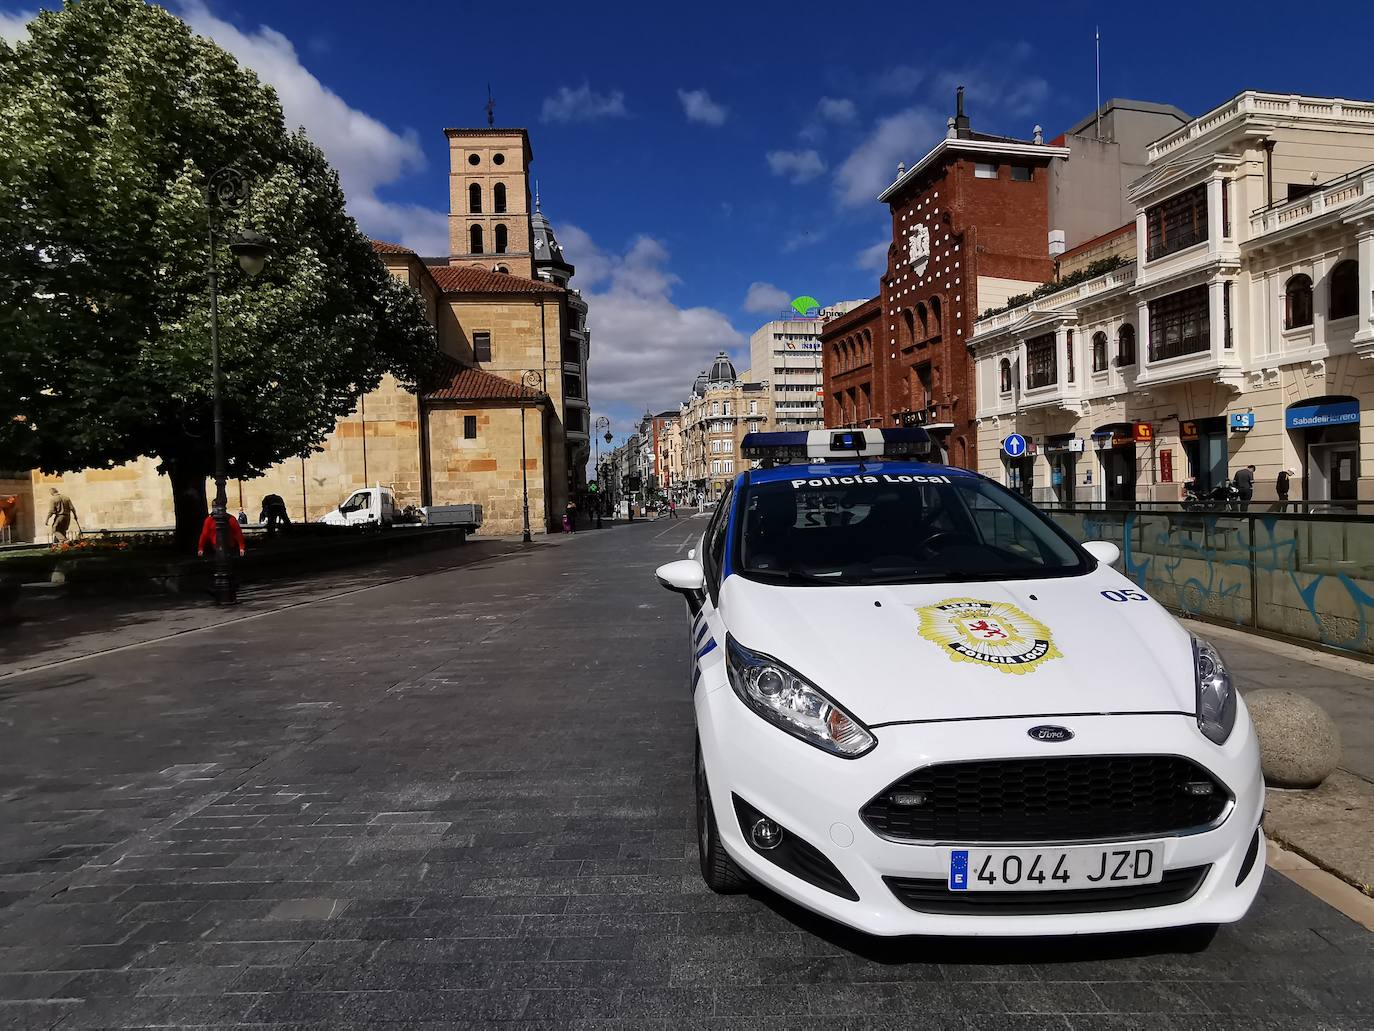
(1055, 869)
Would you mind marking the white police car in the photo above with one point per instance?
(923, 708)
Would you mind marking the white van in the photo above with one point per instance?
(369, 506)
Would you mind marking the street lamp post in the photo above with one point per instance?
(602, 423)
(226, 189)
(531, 381)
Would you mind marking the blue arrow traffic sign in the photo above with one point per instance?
(1014, 445)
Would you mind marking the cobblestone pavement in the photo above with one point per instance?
(465, 799)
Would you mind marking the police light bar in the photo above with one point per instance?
(786, 448)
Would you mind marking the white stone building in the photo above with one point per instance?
(1236, 337)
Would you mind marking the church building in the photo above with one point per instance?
(507, 413)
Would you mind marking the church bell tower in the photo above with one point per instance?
(489, 200)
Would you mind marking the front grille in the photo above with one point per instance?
(1068, 798)
(934, 896)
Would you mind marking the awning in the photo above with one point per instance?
(1327, 411)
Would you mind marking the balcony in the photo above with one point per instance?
(1066, 298)
(1332, 196)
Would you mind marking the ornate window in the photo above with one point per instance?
(1040, 364)
(1004, 375)
(475, 199)
(1176, 223)
(1297, 302)
(1125, 345)
(1180, 324)
(1344, 287)
(1099, 351)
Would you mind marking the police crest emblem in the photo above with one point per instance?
(991, 633)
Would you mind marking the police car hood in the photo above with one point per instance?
(1050, 647)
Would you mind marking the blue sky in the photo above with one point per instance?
(702, 162)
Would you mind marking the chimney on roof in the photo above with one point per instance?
(949, 130)
(901, 169)
(961, 123)
(1039, 136)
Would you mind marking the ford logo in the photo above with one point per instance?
(1049, 732)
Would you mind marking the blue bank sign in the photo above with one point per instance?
(1327, 413)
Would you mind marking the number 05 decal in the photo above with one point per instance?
(1126, 595)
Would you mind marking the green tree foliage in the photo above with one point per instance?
(113, 115)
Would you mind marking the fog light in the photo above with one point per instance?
(1198, 787)
(766, 834)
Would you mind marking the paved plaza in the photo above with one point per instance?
(465, 799)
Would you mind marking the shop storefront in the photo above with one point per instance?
(1115, 445)
(1063, 451)
(1326, 433)
(1204, 442)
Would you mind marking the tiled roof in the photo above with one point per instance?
(456, 382)
(456, 279)
(382, 247)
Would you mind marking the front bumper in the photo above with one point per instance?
(817, 797)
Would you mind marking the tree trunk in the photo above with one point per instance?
(189, 503)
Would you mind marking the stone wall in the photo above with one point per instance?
(486, 469)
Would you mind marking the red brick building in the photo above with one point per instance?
(970, 228)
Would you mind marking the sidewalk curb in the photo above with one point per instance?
(1325, 885)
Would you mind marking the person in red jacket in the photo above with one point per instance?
(207, 534)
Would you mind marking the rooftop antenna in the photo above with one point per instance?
(491, 109)
(1097, 40)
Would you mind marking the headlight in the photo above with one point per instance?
(790, 702)
(1216, 695)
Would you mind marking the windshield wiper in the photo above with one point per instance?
(797, 576)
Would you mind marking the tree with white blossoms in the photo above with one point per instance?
(113, 115)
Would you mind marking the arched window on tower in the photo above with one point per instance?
(1297, 302)
(500, 239)
(922, 321)
(475, 240)
(475, 199)
(935, 315)
(498, 198)
(910, 325)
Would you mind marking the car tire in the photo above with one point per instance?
(721, 873)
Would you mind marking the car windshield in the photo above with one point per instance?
(883, 527)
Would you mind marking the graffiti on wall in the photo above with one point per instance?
(1308, 579)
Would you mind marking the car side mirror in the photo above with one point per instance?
(685, 577)
(1104, 551)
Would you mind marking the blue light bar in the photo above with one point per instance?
(787, 447)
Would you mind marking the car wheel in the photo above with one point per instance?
(720, 872)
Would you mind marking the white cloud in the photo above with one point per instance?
(14, 25)
(583, 105)
(698, 106)
(797, 165)
(900, 80)
(837, 109)
(645, 349)
(366, 153)
(872, 166)
(874, 258)
(763, 297)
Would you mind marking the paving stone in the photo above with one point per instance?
(287, 821)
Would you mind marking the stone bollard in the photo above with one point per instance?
(1299, 743)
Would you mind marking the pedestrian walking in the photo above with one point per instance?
(570, 517)
(243, 517)
(61, 514)
(1281, 486)
(209, 534)
(672, 509)
(1245, 484)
